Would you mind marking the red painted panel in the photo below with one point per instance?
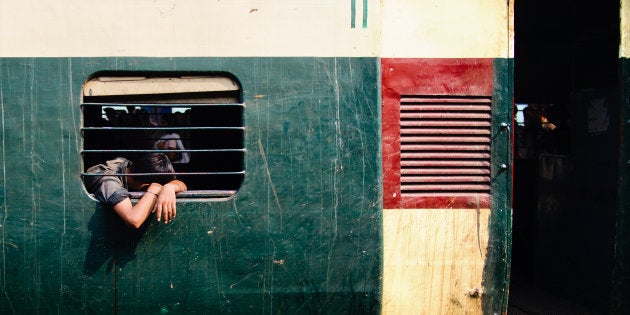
(471, 77)
(402, 76)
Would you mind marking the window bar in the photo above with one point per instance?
(176, 173)
(161, 151)
(162, 128)
(165, 104)
(193, 194)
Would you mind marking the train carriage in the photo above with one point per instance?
(341, 157)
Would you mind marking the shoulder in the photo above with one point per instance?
(111, 167)
(105, 174)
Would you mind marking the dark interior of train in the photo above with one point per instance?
(566, 88)
(202, 133)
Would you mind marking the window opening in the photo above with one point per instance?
(194, 118)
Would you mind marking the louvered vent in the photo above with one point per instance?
(445, 146)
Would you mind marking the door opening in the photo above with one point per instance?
(566, 151)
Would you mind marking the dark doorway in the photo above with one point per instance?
(566, 154)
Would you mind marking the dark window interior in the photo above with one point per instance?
(123, 118)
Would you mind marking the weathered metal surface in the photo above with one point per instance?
(496, 275)
(302, 235)
(449, 174)
(443, 107)
(434, 260)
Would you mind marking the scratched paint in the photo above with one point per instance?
(437, 271)
(303, 234)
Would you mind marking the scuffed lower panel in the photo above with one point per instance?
(433, 260)
(302, 236)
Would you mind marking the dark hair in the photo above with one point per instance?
(153, 168)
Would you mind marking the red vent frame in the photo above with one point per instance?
(436, 133)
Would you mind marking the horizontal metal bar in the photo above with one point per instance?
(440, 100)
(444, 155)
(454, 164)
(460, 139)
(165, 104)
(193, 194)
(443, 131)
(176, 173)
(442, 123)
(108, 128)
(445, 179)
(474, 195)
(444, 147)
(162, 151)
(456, 187)
(438, 107)
(444, 171)
(443, 115)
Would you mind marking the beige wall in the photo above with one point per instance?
(410, 28)
(446, 29)
(186, 28)
(433, 260)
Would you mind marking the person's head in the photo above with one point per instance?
(170, 144)
(156, 165)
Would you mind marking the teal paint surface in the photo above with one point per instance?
(621, 272)
(303, 235)
(496, 273)
(353, 13)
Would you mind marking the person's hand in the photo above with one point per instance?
(165, 205)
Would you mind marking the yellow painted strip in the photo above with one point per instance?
(433, 260)
(445, 29)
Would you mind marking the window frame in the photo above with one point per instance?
(202, 94)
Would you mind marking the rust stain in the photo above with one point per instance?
(475, 293)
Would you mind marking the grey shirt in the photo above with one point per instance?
(110, 188)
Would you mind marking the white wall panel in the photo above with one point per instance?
(188, 28)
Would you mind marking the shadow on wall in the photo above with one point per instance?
(112, 242)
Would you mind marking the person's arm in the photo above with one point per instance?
(135, 215)
(165, 206)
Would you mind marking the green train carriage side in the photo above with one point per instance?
(334, 165)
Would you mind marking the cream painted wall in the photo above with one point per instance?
(395, 28)
(446, 29)
(433, 260)
(187, 28)
(625, 29)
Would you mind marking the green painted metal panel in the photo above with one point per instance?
(303, 234)
(497, 269)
